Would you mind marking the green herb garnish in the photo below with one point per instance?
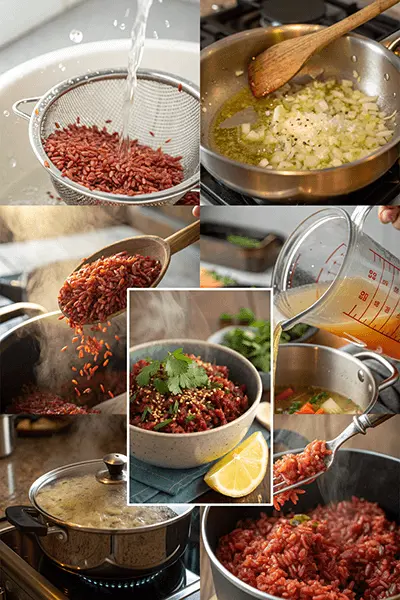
(173, 409)
(146, 412)
(226, 317)
(162, 424)
(224, 279)
(294, 407)
(318, 397)
(246, 314)
(299, 519)
(190, 418)
(243, 241)
(179, 371)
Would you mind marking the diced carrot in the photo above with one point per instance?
(320, 411)
(284, 395)
(306, 409)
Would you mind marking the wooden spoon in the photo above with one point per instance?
(275, 66)
(148, 245)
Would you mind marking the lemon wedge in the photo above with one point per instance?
(242, 470)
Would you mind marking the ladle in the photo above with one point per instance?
(148, 245)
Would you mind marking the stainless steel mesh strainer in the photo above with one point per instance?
(165, 105)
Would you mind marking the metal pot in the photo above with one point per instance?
(333, 370)
(369, 475)
(379, 70)
(30, 354)
(115, 553)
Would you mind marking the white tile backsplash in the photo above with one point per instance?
(20, 16)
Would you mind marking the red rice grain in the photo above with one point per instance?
(36, 402)
(98, 289)
(295, 467)
(344, 551)
(92, 157)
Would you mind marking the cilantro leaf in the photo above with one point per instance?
(174, 385)
(147, 372)
(190, 418)
(160, 385)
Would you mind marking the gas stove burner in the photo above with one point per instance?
(283, 12)
(121, 584)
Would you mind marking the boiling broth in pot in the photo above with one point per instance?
(85, 502)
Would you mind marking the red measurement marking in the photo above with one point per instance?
(334, 252)
(390, 337)
(296, 262)
(320, 273)
(385, 260)
(387, 296)
(390, 316)
(376, 291)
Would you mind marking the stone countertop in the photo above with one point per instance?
(88, 437)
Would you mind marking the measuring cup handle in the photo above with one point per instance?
(359, 215)
(20, 112)
(394, 373)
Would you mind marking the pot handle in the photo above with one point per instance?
(19, 308)
(20, 112)
(392, 42)
(394, 373)
(22, 518)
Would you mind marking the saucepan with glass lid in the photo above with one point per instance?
(80, 517)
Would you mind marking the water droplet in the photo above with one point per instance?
(13, 163)
(61, 67)
(155, 35)
(127, 12)
(6, 113)
(167, 24)
(354, 58)
(394, 94)
(115, 23)
(76, 36)
(122, 26)
(215, 6)
(386, 76)
(160, 1)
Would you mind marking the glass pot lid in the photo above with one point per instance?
(92, 495)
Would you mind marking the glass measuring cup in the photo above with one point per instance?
(332, 275)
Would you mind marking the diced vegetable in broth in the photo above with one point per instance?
(312, 400)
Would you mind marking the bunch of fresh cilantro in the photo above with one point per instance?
(173, 374)
(254, 344)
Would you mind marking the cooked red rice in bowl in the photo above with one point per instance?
(216, 403)
(344, 551)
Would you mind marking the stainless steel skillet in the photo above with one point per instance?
(379, 70)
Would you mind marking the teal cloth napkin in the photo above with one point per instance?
(159, 486)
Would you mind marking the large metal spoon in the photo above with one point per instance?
(275, 66)
(148, 245)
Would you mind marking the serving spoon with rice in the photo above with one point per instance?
(359, 424)
(275, 66)
(153, 246)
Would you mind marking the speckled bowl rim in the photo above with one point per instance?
(181, 342)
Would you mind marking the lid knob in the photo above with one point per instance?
(116, 469)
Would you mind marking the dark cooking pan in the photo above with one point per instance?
(30, 354)
(379, 71)
(373, 476)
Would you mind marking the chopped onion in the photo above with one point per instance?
(317, 126)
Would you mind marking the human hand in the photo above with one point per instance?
(389, 214)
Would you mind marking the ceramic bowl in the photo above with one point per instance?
(187, 450)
